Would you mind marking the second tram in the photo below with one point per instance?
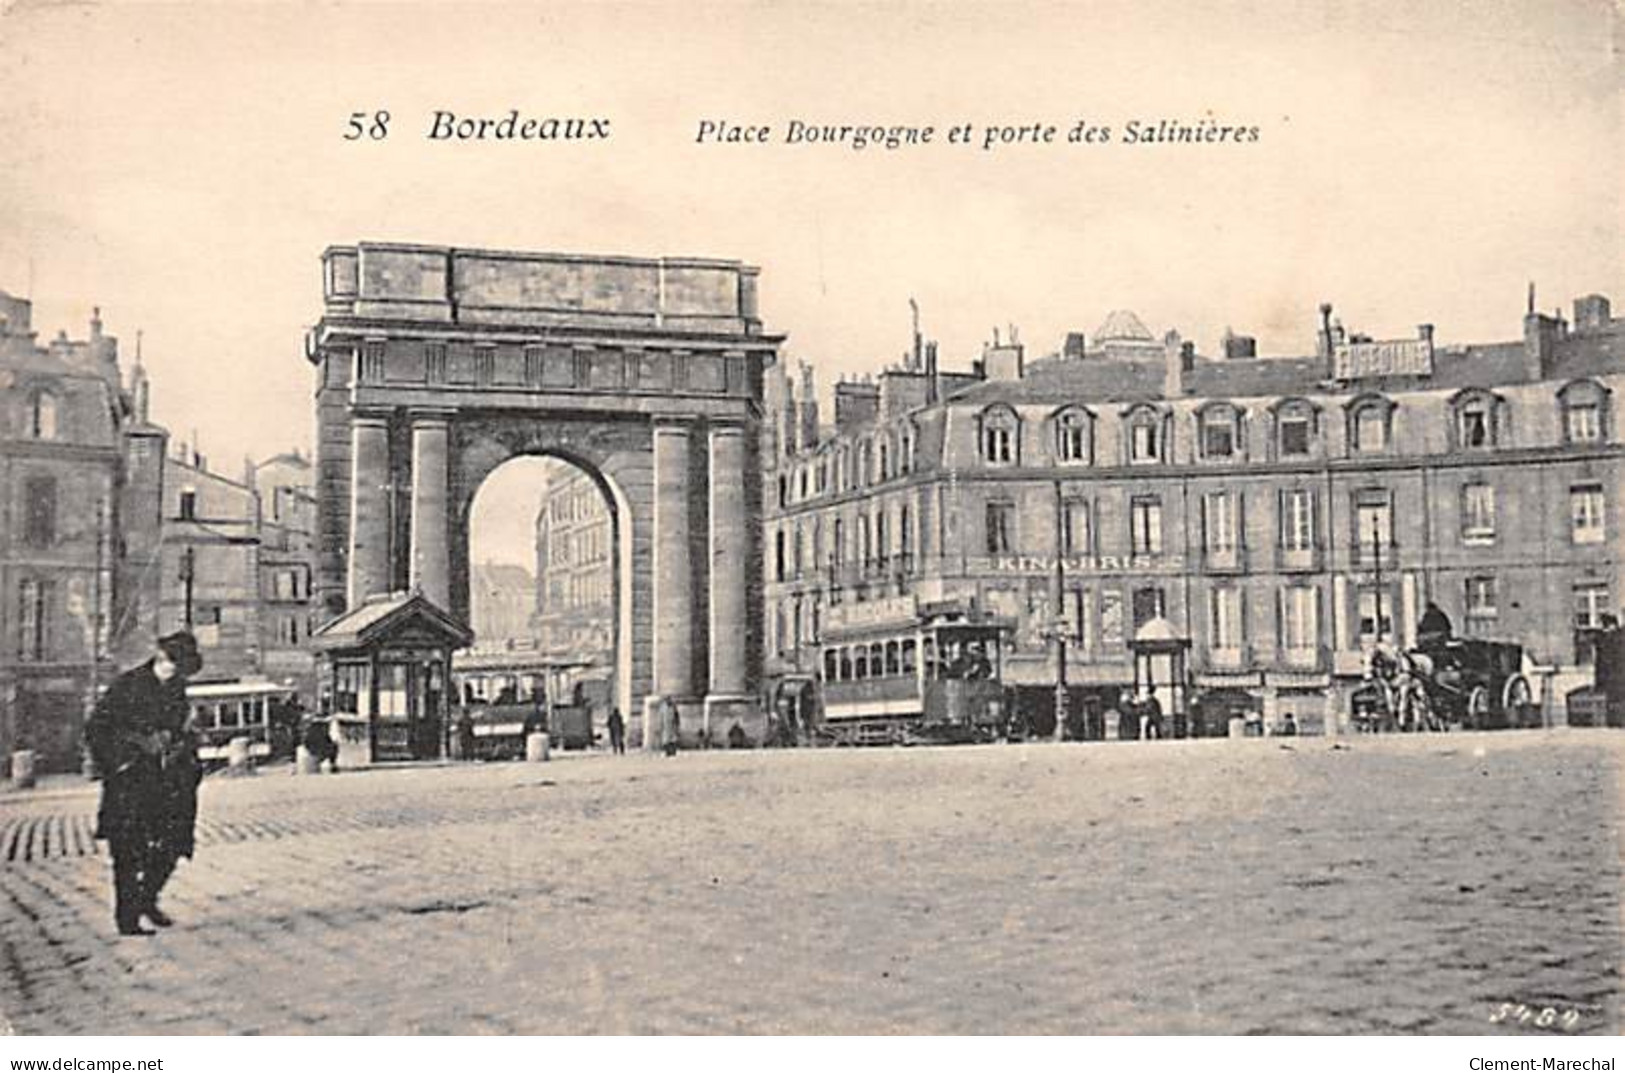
(936, 679)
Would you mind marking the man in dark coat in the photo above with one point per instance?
(146, 752)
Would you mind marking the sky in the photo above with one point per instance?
(184, 166)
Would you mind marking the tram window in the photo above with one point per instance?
(891, 658)
(846, 664)
(928, 651)
(228, 715)
(860, 662)
(906, 652)
(877, 660)
(202, 716)
(832, 664)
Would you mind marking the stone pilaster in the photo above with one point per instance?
(369, 508)
(431, 557)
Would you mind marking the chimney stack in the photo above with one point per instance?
(1591, 313)
(1174, 365)
(1540, 336)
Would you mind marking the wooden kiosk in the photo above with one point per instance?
(383, 675)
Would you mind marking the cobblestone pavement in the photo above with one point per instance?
(1389, 885)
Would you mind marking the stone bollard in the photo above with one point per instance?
(237, 756)
(305, 762)
(537, 748)
(22, 769)
(1238, 727)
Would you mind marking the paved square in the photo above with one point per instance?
(1377, 885)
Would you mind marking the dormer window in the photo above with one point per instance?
(1000, 428)
(905, 453)
(1295, 421)
(1144, 436)
(1074, 436)
(1370, 424)
(1220, 432)
(1585, 412)
(42, 416)
(1479, 418)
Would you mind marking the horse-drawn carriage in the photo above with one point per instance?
(1445, 682)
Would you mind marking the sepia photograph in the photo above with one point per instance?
(812, 519)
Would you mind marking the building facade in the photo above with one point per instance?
(1283, 514)
(79, 471)
(575, 578)
(287, 528)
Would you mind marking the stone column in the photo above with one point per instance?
(673, 626)
(728, 566)
(727, 703)
(431, 556)
(369, 572)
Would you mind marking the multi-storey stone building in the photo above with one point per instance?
(211, 565)
(80, 469)
(575, 579)
(287, 526)
(1283, 514)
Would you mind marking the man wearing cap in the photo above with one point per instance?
(146, 752)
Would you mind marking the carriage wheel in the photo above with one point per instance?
(1516, 700)
(1478, 708)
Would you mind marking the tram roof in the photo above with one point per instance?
(219, 690)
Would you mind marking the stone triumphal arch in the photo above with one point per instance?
(437, 364)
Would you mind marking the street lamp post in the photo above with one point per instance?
(1376, 559)
(188, 574)
(1061, 693)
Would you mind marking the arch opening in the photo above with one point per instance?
(549, 591)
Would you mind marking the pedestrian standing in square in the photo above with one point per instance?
(617, 732)
(146, 752)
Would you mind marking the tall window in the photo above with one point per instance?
(39, 512)
(1370, 425)
(1074, 436)
(882, 536)
(1376, 609)
(1219, 521)
(34, 620)
(1477, 420)
(1297, 519)
(999, 430)
(1373, 522)
(905, 537)
(1001, 528)
(1590, 604)
(1149, 602)
(837, 546)
(781, 559)
(1300, 614)
(1586, 514)
(1478, 513)
(1077, 537)
(800, 550)
(1294, 429)
(1220, 432)
(1144, 436)
(42, 416)
(188, 504)
(1224, 617)
(1145, 526)
(1585, 412)
(1481, 604)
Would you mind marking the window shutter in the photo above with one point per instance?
(1240, 534)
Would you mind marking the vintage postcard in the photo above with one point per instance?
(812, 519)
